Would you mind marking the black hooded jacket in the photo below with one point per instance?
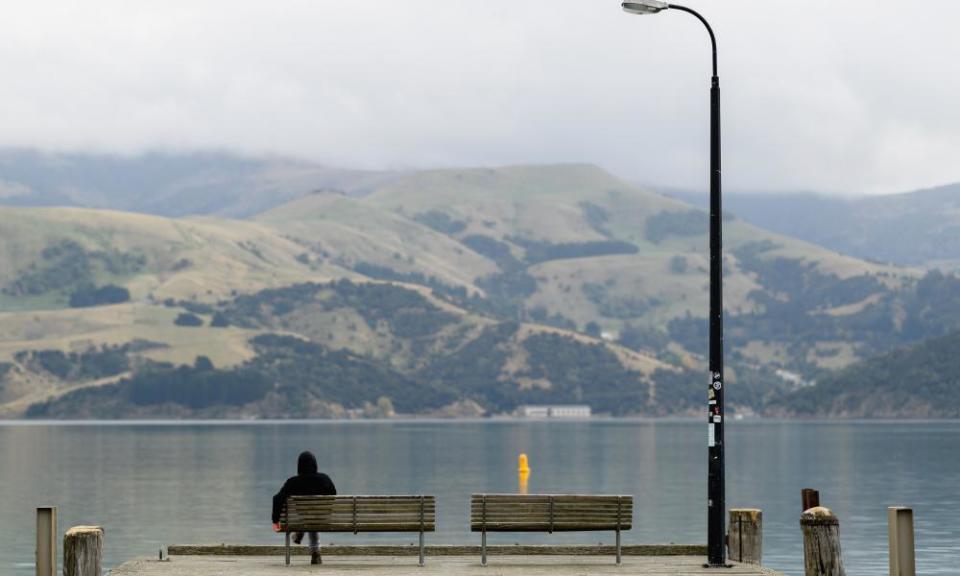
(307, 482)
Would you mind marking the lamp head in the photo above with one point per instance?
(642, 7)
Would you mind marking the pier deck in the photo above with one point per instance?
(499, 564)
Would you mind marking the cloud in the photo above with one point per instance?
(853, 96)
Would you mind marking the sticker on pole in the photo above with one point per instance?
(711, 442)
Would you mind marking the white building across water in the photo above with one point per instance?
(555, 411)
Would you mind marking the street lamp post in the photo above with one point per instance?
(715, 471)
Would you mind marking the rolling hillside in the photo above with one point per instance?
(578, 248)
(47, 253)
(919, 228)
(340, 348)
(333, 228)
(918, 381)
(522, 284)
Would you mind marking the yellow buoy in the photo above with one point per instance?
(523, 472)
(523, 465)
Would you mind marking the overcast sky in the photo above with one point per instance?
(851, 96)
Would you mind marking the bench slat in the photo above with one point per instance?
(349, 498)
(557, 513)
(534, 498)
(546, 512)
(588, 520)
(546, 509)
(362, 508)
(361, 528)
(370, 497)
(544, 528)
(366, 513)
(605, 522)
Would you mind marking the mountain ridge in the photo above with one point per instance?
(915, 228)
(599, 265)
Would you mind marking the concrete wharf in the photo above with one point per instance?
(447, 560)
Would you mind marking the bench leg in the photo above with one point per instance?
(421, 548)
(483, 548)
(618, 547)
(287, 547)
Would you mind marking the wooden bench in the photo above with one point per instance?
(549, 513)
(359, 514)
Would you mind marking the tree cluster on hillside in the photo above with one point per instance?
(538, 251)
(91, 364)
(597, 217)
(919, 381)
(67, 266)
(507, 290)
(495, 250)
(795, 303)
(407, 313)
(380, 272)
(87, 296)
(611, 305)
(685, 223)
(188, 319)
(441, 222)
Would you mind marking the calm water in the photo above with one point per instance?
(153, 485)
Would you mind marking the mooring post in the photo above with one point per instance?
(745, 536)
(900, 530)
(82, 551)
(47, 541)
(821, 543)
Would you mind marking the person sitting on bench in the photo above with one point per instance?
(307, 482)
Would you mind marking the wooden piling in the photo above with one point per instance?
(82, 551)
(821, 543)
(810, 498)
(902, 552)
(46, 563)
(745, 536)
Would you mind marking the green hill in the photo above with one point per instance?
(46, 254)
(351, 232)
(337, 348)
(576, 247)
(919, 381)
(918, 228)
(537, 283)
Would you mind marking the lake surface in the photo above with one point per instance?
(151, 485)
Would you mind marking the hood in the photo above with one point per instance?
(306, 464)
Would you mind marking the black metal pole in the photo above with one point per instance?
(716, 491)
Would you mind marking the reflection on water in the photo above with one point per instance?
(151, 485)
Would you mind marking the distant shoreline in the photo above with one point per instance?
(456, 421)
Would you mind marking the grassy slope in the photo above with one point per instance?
(223, 256)
(194, 258)
(357, 231)
(546, 203)
(541, 202)
(80, 329)
(220, 256)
